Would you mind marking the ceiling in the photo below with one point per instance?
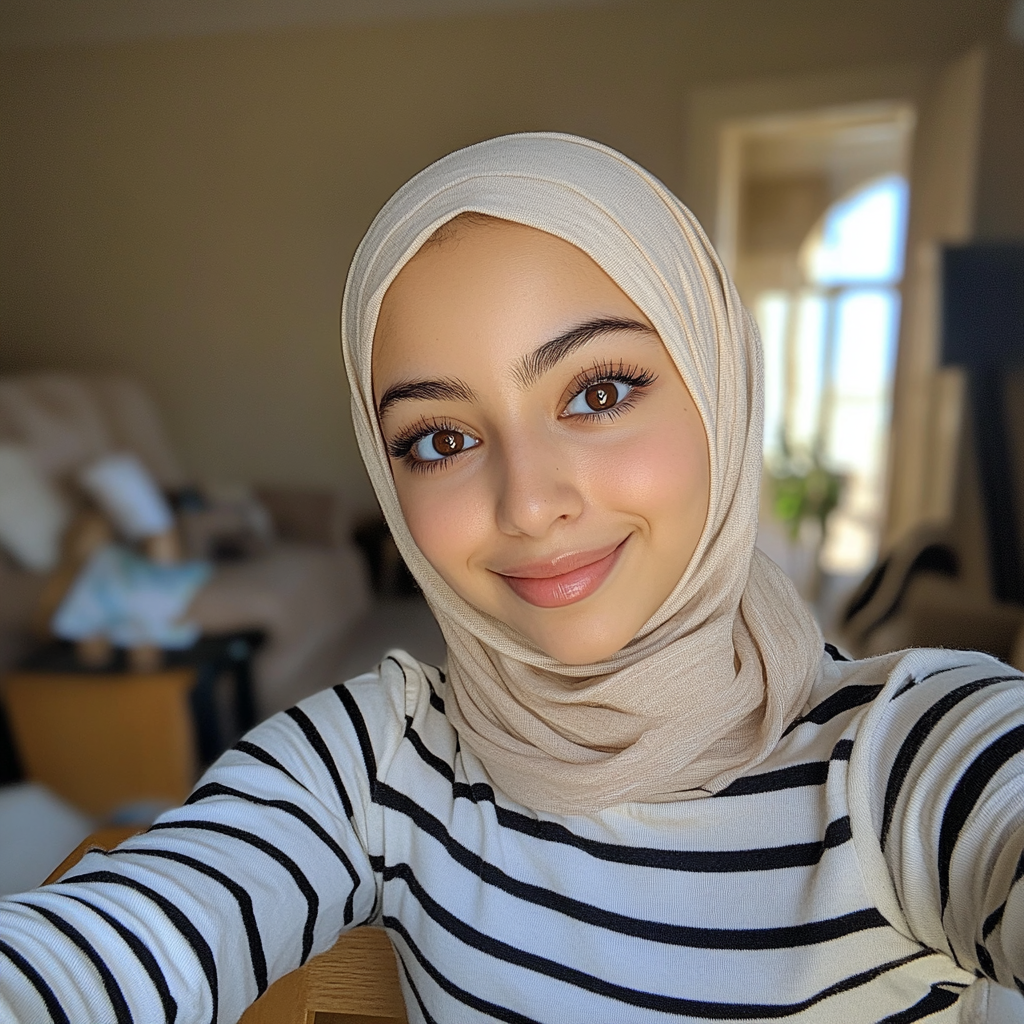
(25, 23)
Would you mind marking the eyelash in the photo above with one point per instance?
(400, 447)
(638, 380)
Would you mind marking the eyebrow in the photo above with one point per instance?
(449, 389)
(533, 366)
(527, 372)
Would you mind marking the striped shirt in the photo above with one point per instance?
(869, 870)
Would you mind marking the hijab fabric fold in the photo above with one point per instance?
(705, 690)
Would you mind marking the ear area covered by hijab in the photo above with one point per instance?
(705, 690)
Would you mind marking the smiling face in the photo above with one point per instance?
(549, 460)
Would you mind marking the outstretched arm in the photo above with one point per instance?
(265, 865)
(944, 765)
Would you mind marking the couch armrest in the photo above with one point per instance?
(309, 515)
(939, 612)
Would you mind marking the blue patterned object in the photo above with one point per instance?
(131, 600)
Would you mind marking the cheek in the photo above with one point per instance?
(663, 478)
(447, 523)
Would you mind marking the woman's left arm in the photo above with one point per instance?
(944, 755)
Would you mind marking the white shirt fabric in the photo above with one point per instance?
(869, 870)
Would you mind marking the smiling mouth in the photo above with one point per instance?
(564, 580)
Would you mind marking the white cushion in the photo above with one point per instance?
(123, 488)
(32, 514)
(39, 830)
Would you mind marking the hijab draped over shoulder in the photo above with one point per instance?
(704, 691)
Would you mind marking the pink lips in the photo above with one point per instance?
(563, 580)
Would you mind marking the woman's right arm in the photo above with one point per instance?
(265, 865)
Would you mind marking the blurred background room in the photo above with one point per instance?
(188, 542)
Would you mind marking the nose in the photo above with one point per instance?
(536, 485)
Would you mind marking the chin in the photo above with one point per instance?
(577, 643)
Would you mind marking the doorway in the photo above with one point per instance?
(812, 215)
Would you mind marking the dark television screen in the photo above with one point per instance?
(983, 304)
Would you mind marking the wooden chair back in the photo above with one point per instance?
(100, 739)
(355, 982)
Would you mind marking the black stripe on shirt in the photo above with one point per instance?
(405, 678)
(810, 773)
(793, 777)
(184, 926)
(938, 999)
(214, 789)
(785, 937)
(265, 757)
(117, 1000)
(478, 792)
(38, 982)
(912, 682)
(252, 932)
(393, 924)
(426, 755)
(316, 741)
(362, 734)
(355, 717)
(555, 833)
(142, 954)
(993, 919)
(966, 794)
(834, 653)
(701, 861)
(507, 953)
(275, 854)
(435, 701)
(996, 916)
(846, 699)
(916, 738)
(550, 831)
(424, 1012)
(985, 961)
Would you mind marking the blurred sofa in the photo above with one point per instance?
(305, 585)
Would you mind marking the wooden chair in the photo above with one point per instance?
(101, 739)
(355, 982)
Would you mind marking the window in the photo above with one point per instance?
(830, 347)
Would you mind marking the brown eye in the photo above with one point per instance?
(601, 396)
(448, 442)
(439, 445)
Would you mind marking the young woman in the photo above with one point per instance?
(640, 789)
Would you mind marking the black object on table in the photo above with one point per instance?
(211, 656)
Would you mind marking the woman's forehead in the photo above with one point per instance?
(492, 284)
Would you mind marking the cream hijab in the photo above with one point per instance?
(706, 688)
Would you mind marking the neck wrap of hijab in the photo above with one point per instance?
(706, 688)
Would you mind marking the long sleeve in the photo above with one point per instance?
(941, 761)
(268, 861)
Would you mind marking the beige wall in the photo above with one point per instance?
(1000, 206)
(184, 210)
